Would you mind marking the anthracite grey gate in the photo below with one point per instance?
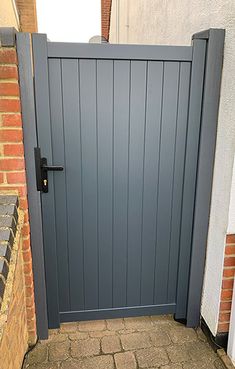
(124, 123)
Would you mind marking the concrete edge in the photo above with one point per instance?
(225, 359)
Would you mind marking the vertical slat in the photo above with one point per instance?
(195, 106)
(136, 150)
(48, 202)
(182, 120)
(120, 178)
(152, 141)
(105, 178)
(57, 139)
(89, 179)
(166, 168)
(73, 172)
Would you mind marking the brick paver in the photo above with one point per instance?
(129, 343)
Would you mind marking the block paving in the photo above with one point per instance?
(129, 343)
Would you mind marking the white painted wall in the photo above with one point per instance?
(174, 22)
(231, 218)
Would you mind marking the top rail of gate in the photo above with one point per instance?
(119, 52)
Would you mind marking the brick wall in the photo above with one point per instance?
(12, 165)
(27, 15)
(227, 285)
(105, 17)
(13, 316)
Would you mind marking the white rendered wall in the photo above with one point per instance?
(173, 22)
(231, 219)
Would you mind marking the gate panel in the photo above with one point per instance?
(120, 128)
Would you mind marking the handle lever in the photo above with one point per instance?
(41, 170)
(52, 167)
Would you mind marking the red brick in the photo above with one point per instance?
(226, 295)
(29, 301)
(225, 306)
(29, 291)
(24, 204)
(30, 313)
(9, 89)
(16, 177)
(29, 279)
(229, 261)
(26, 217)
(26, 244)
(31, 325)
(227, 284)
(8, 56)
(11, 135)
(228, 273)
(230, 250)
(1, 178)
(230, 238)
(9, 105)
(11, 120)
(224, 317)
(28, 266)
(13, 149)
(8, 72)
(12, 164)
(27, 256)
(223, 327)
(25, 230)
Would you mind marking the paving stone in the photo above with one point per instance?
(115, 324)
(159, 338)
(125, 360)
(134, 341)
(78, 336)
(55, 338)
(182, 335)
(43, 366)
(70, 364)
(200, 351)
(91, 326)
(68, 327)
(162, 319)
(97, 362)
(171, 366)
(199, 365)
(110, 345)
(100, 334)
(178, 353)
(85, 348)
(151, 357)
(38, 355)
(138, 323)
(59, 351)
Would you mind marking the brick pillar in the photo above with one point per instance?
(12, 164)
(105, 17)
(227, 285)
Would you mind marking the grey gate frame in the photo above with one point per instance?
(205, 57)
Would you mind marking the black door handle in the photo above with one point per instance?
(52, 167)
(41, 170)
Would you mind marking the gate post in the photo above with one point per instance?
(30, 141)
(209, 118)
